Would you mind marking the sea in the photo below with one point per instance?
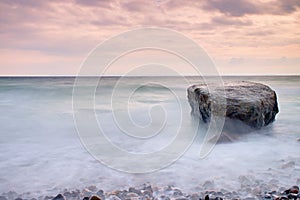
(45, 123)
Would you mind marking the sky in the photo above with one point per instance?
(242, 37)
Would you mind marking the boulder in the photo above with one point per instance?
(254, 104)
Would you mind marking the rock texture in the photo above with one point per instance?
(254, 104)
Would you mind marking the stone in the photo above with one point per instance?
(162, 197)
(86, 192)
(101, 194)
(252, 103)
(95, 197)
(92, 188)
(59, 197)
(294, 189)
(48, 197)
(113, 197)
(132, 196)
(133, 190)
(206, 197)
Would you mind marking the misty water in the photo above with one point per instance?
(41, 151)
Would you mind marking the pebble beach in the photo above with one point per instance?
(248, 191)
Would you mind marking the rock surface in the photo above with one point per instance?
(254, 104)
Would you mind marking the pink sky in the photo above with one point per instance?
(241, 36)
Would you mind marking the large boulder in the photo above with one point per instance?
(252, 103)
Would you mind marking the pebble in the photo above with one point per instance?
(132, 189)
(48, 197)
(59, 197)
(162, 198)
(95, 197)
(294, 189)
(100, 193)
(92, 188)
(86, 192)
(113, 197)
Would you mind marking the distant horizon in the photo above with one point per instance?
(108, 76)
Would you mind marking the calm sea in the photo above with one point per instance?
(41, 151)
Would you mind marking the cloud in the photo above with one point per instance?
(135, 6)
(230, 22)
(232, 7)
(95, 3)
(287, 6)
(260, 33)
(227, 28)
(25, 3)
(252, 7)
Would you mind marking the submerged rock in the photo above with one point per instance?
(252, 103)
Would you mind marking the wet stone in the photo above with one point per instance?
(59, 197)
(92, 188)
(133, 190)
(86, 192)
(251, 103)
(249, 198)
(48, 197)
(162, 198)
(294, 189)
(100, 193)
(113, 197)
(95, 197)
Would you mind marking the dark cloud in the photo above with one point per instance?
(290, 5)
(260, 33)
(95, 3)
(232, 7)
(105, 21)
(25, 3)
(135, 6)
(249, 7)
(285, 6)
(230, 21)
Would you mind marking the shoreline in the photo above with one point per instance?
(147, 191)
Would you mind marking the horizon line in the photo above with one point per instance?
(111, 76)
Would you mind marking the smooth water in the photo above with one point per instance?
(41, 152)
